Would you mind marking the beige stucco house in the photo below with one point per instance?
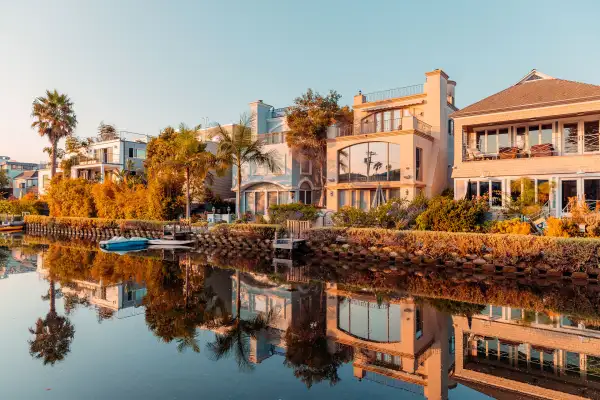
(400, 139)
(541, 128)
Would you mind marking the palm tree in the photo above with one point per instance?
(191, 156)
(54, 118)
(53, 335)
(239, 147)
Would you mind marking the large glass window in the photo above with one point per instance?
(590, 139)
(546, 134)
(520, 137)
(571, 138)
(375, 161)
(249, 201)
(343, 198)
(534, 135)
(260, 203)
(569, 189)
(484, 188)
(503, 138)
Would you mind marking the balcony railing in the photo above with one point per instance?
(272, 138)
(278, 112)
(387, 125)
(394, 93)
(122, 135)
(101, 159)
(505, 153)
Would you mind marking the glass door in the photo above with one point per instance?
(569, 189)
(571, 138)
(591, 132)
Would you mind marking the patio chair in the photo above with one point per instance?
(541, 150)
(474, 154)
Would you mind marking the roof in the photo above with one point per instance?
(27, 175)
(535, 90)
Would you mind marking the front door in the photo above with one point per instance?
(568, 190)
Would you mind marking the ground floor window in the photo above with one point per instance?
(363, 198)
(305, 194)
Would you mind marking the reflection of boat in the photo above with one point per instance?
(168, 246)
(121, 243)
(13, 226)
(122, 252)
(170, 242)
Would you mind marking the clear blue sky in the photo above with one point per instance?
(143, 65)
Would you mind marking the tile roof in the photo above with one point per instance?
(533, 94)
(27, 175)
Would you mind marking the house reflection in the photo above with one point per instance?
(534, 353)
(399, 343)
(16, 261)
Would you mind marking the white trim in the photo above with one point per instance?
(532, 73)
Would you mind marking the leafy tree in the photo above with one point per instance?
(308, 120)
(60, 153)
(54, 117)
(107, 131)
(239, 148)
(53, 334)
(4, 180)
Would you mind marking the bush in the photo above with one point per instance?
(557, 227)
(444, 214)
(259, 231)
(71, 198)
(512, 226)
(278, 214)
(16, 207)
(95, 223)
(395, 213)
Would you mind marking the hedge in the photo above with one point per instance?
(261, 231)
(95, 223)
(504, 248)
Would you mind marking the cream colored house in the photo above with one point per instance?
(541, 128)
(400, 139)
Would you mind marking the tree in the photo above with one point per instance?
(239, 148)
(54, 118)
(4, 180)
(192, 157)
(53, 335)
(308, 120)
(107, 131)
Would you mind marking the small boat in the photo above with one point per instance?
(170, 242)
(122, 243)
(14, 226)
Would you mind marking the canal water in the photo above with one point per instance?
(78, 323)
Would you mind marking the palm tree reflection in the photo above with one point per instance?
(53, 334)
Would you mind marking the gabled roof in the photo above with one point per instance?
(27, 175)
(536, 89)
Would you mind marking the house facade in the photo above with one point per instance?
(104, 157)
(294, 181)
(24, 183)
(13, 169)
(541, 133)
(401, 140)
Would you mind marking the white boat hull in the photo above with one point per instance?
(162, 242)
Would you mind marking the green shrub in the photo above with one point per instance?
(278, 214)
(258, 231)
(395, 213)
(444, 214)
(512, 226)
(352, 217)
(557, 227)
(17, 207)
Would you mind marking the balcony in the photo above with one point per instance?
(382, 126)
(278, 112)
(506, 153)
(121, 135)
(99, 159)
(393, 93)
(272, 138)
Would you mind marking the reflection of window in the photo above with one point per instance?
(369, 320)
(374, 162)
(418, 322)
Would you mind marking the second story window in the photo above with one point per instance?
(419, 164)
(305, 167)
(131, 152)
(384, 121)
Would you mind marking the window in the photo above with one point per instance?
(369, 162)
(450, 127)
(569, 189)
(260, 203)
(590, 136)
(305, 194)
(305, 167)
(370, 321)
(343, 198)
(131, 152)
(484, 188)
(418, 322)
(419, 164)
(496, 194)
(571, 138)
(271, 199)
(46, 181)
(520, 137)
(140, 153)
(249, 201)
(385, 121)
(283, 197)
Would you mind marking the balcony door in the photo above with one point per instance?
(581, 138)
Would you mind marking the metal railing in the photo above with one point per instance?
(278, 112)
(122, 135)
(393, 93)
(387, 125)
(101, 159)
(272, 138)
(423, 127)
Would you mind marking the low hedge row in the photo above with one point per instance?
(95, 223)
(261, 231)
(505, 248)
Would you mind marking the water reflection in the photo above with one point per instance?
(420, 329)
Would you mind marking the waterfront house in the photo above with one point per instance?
(537, 354)
(293, 182)
(13, 169)
(543, 129)
(221, 184)
(401, 139)
(24, 183)
(105, 156)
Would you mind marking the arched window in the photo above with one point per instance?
(305, 193)
(383, 121)
(369, 162)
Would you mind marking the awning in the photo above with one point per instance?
(395, 105)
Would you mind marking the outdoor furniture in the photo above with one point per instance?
(541, 150)
(474, 154)
(508, 152)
